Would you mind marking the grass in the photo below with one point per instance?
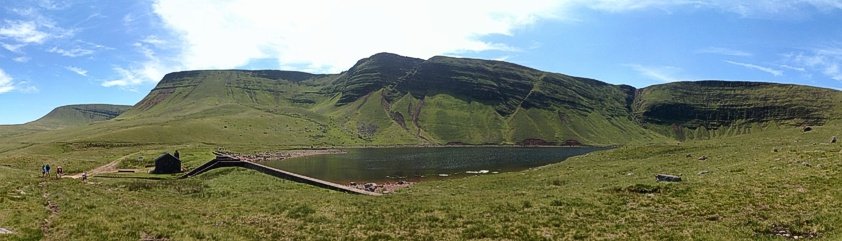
(759, 181)
(744, 190)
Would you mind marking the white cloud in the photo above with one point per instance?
(723, 51)
(73, 52)
(749, 9)
(150, 71)
(775, 72)
(23, 31)
(330, 36)
(6, 83)
(130, 78)
(14, 48)
(154, 40)
(26, 87)
(825, 61)
(21, 59)
(630, 5)
(659, 73)
(335, 34)
(128, 19)
(77, 70)
(799, 69)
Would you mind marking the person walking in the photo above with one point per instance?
(47, 170)
(44, 170)
(84, 176)
(59, 172)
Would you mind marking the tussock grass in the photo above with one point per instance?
(743, 191)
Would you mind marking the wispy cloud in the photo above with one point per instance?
(775, 72)
(723, 51)
(73, 52)
(26, 87)
(14, 48)
(799, 69)
(825, 60)
(23, 32)
(659, 73)
(749, 9)
(153, 40)
(149, 71)
(6, 83)
(77, 70)
(22, 59)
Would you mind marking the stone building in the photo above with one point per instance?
(167, 164)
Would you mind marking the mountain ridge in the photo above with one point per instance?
(392, 99)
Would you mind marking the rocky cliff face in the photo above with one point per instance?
(716, 104)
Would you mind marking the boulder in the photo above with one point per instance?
(702, 158)
(667, 178)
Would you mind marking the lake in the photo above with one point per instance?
(423, 163)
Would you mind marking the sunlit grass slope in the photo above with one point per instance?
(750, 187)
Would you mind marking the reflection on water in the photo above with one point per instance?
(423, 163)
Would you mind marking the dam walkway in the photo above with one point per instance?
(223, 160)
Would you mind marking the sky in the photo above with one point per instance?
(55, 53)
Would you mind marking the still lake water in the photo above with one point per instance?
(423, 163)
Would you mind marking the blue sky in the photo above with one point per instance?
(55, 52)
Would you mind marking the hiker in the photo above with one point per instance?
(44, 170)
(176, 154)
(59, 172)
(84, 176)
(47, 170)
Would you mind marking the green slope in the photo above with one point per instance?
(76, 115)
(707, 109)
(388, 99)
(63, 117)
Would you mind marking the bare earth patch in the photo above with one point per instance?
(5, 231)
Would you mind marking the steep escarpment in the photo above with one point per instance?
(371, 74)
(474, 101)
(498, 84)
(392, 99)
(705, 109)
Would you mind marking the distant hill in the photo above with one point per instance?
(76, 115)
(391, 99)
(706, 109)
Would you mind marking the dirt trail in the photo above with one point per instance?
(51, 206)
(110, 167)
(107, 168)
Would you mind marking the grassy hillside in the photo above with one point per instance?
(707, 109)
(385, 99)
(762, 178)
(63, 117)
(751, 187)
(76, 115)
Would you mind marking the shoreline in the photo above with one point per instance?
(333, 150)
(285, 154)
(459, 146)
